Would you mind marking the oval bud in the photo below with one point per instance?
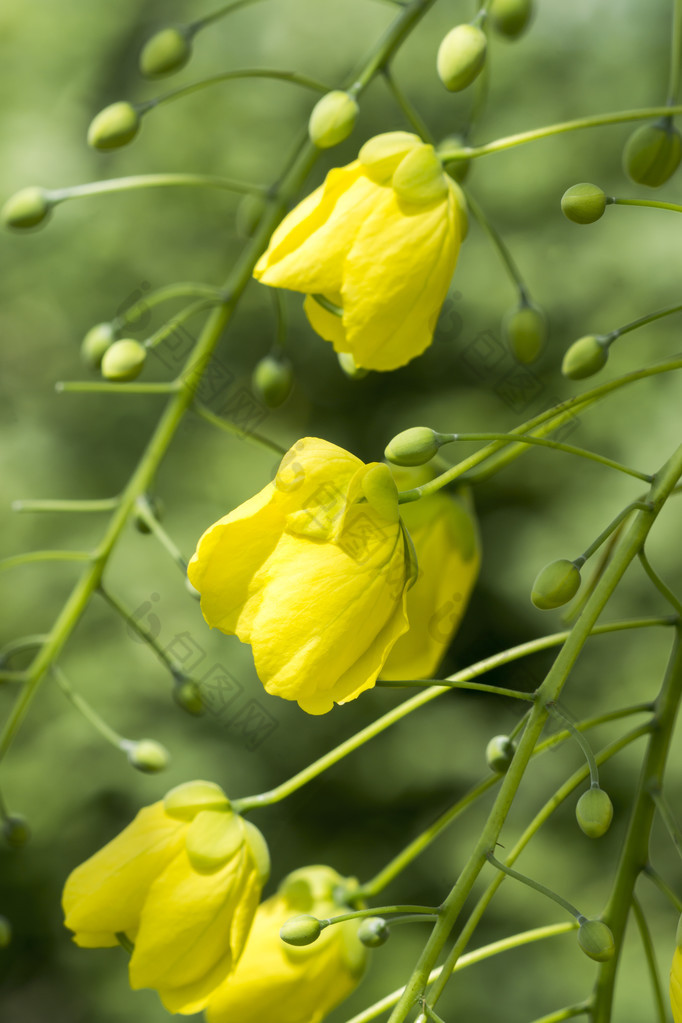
(499, 753)
(596, 940)
(165, 52)
(349, 366)
(188, 696)
(415, 446)
(461, 56)
(373, 932)
(123, 360)
(272, 380)
(249, 213)
(27, 208)
(652, 153)
(5, 932)
(510, 17)
(95, 343)
(333, 119)
(586, 356)
(114, 126)
(148, 756)
(15, 830)
(301, 930)
(419, 177)
(555, 585)
(594, 812)
(583, 203)
(525, 330)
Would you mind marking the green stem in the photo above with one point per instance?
(663, 886)
(171, 325)
(475, 686)
(582, 742)
(541, 888)
(49, 505)
(232, 76)
(360, 914)
(144, 510)
(88, 712)
(675, 53)
(642, 321)
(19, 646)
(570, 1012)
(667, 816)
(136, 181)
(411, 114)
(183, 289)
(105, 387)
(221, 12)
(174, 668)
(662, 588)
(614, 525)
(634, 855)
(549, 692)
(655, 204)
(645, 935)
(30, 556)
(501, 247)
(236, 431)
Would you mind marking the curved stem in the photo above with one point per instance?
(236, 431)
(50, 505)
(675, 52)
(655, 204)
(136, 181)
(451, 684)
(221, 12)
(170, 326)
(183, 289)
(666, 816)
(231, 76)
(501, 247)
(582, 742)
(645, 935)
(663, 886)
(612, 527)
(360, 914)
(19, 646)
(88, 712)
(144, 510)
(411, 114)
(664, 590)
(536, 886)
(105, 387)
(30, 556)
(643, 320)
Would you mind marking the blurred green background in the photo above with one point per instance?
(60, 64)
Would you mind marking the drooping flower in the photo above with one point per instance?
(182, 883)
(276, 981)
(313, 572)
(374, 249)
(443, 530)
(676, 985)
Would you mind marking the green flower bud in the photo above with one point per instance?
(596, 940)
(652, 153)
(95, 343)
(165, 52)
(583, 203)
(555, 584)
(156, 508)
(333, 119)
(415, 446)
(458, 170)
(148, 756)
(273, 379)
(188, 696)
(301, 930)
(123, 360)
(525, 329)
(27, 208)
(249, 213)
(347, 364)
(114, 126)
(510, 17)
(5, 932)
(594, 812)
(586, 356)
(373, 931)
(15, 830)
(461, 56)
(499, 753)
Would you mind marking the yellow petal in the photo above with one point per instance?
(676, 986)
(396, 278)
(106, 893)
(326, 324)
(95, 939)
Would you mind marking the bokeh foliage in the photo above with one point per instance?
(59, 64)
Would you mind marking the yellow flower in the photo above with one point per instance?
(676, 985)
(443, 530)
(379, 241)
(313, 572)
(275, 981)
(182, 882)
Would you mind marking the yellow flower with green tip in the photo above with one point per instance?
(313, 572)
(443, 530)
(181, 883)
(378, 242)
(276, 981)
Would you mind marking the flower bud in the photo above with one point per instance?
(15, 830)
(594, 812)
(583, 203)
(586, 356)
(373, 931)
(165, 52)
(510, 17)
(461, 56)
(525, 329)
(349, 367)
(5, 932)
(273, 379)
(419, 177)
(301, 930)
(499, 753)
(249, 213)
(333, 119)
(27, 208)
(415, 446)
(555, 584)
(596, 940)
(652, 153)
(148, 756)
(188, 696)
(114, 126)
(95, 343)
(123, 360)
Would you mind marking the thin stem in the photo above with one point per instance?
(105, 387)
(541, 888)
(663, 886)
(171, 325)
(137, 181)
(183, 289)
(645, 935)
(19, 646)
(655, 204)
(675, 53)
(144, 510)
(281, 318)
(129, 618)
(612, 527)
(501, 247)
(50, 505)
(411, 113)
(360, 914)
(221, 12)
(449, 684)
(231, 76)
(570, 1012)
(88, 712)
(30, 556)
(642, 321)
(662, 588)
(582, 742)
(237, 431)
(666, 816)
